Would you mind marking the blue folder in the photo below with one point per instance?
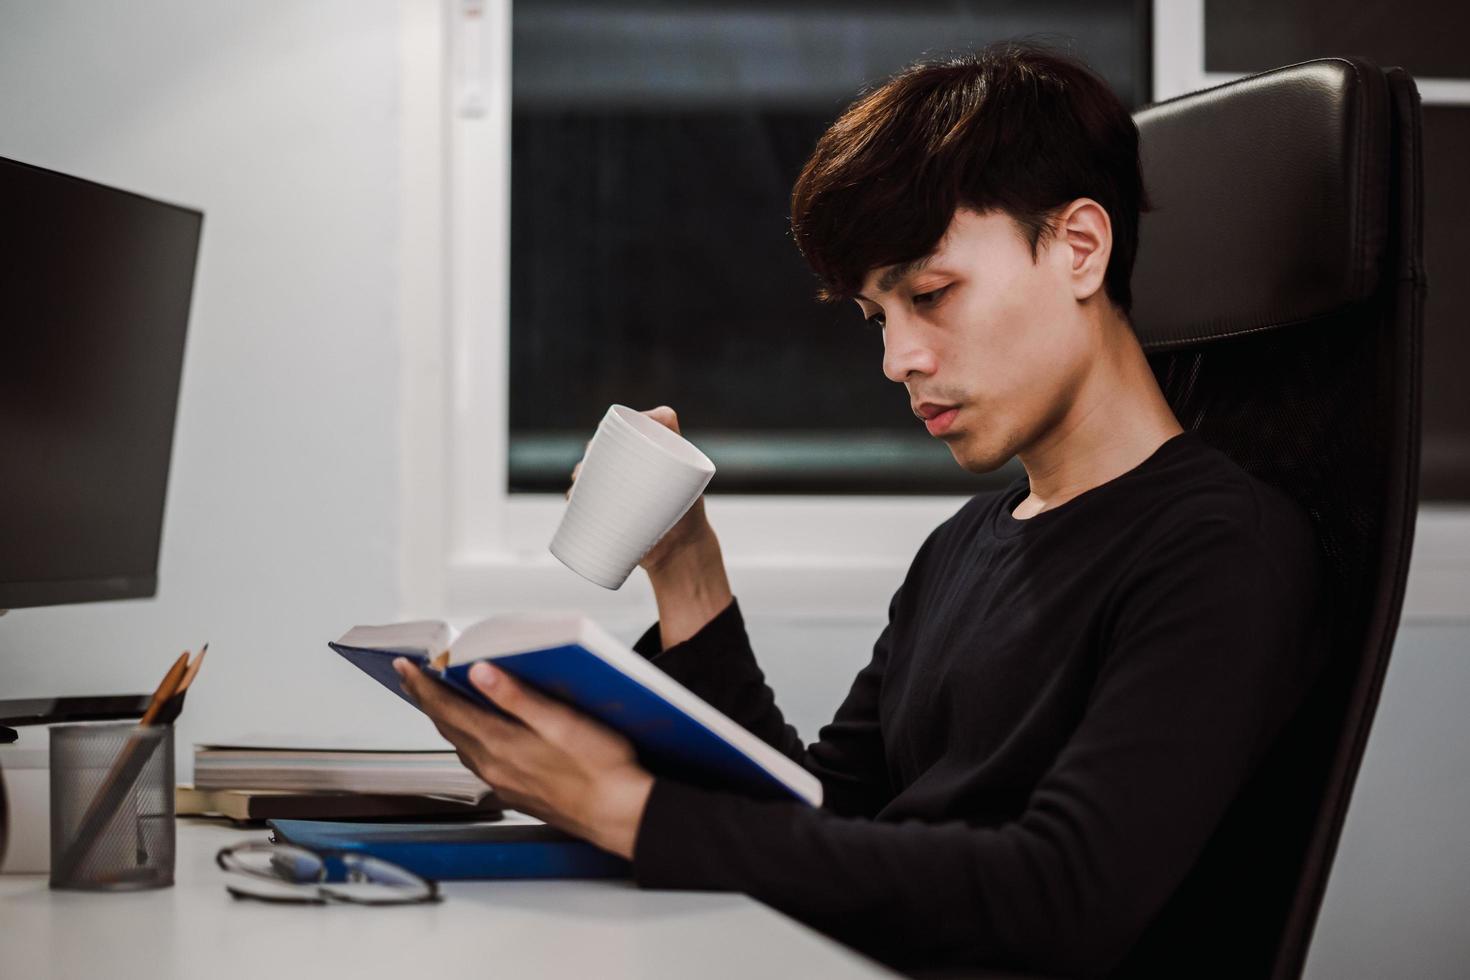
(459, 851)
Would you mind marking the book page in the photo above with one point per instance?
(427, 636)
(514, 633)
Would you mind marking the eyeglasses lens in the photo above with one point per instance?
(278, 862)
(369, 880)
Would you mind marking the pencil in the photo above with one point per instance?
(171, 708)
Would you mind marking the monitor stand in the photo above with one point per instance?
(19, 712)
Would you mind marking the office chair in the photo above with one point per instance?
(1279, 290)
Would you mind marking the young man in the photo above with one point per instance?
(1079, 673)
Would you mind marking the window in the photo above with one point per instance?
(654, 146)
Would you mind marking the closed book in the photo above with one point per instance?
(572, 659)
(300, 768)
(517, 847)
(257, 805)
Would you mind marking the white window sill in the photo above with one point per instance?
(813, 559)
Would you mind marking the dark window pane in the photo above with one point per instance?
(653, 151)
(1445, 465)
(1425, 37)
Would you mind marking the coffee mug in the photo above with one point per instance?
(638, 477)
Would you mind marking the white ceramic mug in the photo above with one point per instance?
(638, 477)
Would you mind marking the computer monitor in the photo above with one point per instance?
(95, 286)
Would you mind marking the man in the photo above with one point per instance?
(1079, 674)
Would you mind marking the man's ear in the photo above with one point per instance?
(1085, 228)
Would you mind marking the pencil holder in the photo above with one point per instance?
(112, 807)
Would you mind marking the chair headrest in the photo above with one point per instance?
(1270, 198)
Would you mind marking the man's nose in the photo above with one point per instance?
(905, 352)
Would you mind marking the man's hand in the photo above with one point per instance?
(685, 566)
(557, 764)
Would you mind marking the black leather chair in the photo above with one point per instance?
(1279, 290)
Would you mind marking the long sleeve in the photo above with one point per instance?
(717, 664)
(1207, 653)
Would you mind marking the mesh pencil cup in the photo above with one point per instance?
(112, 807)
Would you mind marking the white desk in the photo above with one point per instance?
(502, 929)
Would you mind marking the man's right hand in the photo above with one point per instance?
(685, 567)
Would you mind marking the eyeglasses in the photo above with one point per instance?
(286, 873)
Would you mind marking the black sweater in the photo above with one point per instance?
(1052, 726)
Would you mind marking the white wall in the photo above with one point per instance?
(280, 121)
(1395, 904)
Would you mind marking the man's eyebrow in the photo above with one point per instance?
(892, 277)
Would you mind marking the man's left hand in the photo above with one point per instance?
(558, 765)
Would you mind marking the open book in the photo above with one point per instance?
(572, 659)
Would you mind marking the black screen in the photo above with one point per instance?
(95, 285)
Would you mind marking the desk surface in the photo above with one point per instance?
(505, 929)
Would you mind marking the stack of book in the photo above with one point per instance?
(267, 779)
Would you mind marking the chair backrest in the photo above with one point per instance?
(1278, 295)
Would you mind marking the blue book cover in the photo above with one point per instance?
(676, 733)
(458, 851)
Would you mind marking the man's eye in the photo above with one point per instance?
(930, 296)
(876, 320)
